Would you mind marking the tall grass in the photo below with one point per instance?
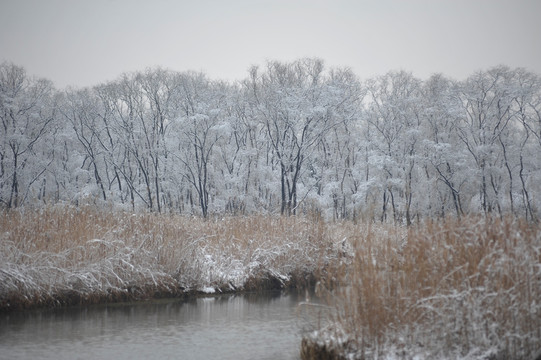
(466, 289)
(65, 255)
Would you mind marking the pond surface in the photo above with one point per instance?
(250, 326)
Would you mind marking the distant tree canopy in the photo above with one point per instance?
(292, 137)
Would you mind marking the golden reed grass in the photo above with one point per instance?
(467, 289)
(64, 255)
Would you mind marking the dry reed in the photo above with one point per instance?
(467, 289)
(64, 255)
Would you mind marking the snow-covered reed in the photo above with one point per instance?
(65, 255)
(467, 289)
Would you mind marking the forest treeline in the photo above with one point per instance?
(292, 137)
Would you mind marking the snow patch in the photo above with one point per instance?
(207, 290)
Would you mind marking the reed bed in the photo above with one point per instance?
(63, 255)
(451, 289)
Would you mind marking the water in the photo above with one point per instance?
(250, 326)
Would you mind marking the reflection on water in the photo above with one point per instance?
(250, 326)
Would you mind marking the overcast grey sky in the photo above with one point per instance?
(81, 43)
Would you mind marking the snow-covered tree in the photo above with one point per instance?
(27, 111)
(291, 137)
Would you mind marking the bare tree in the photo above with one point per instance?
(82, 113)
(394, 118)
(292, 108)
(26, 113)
(197, 130)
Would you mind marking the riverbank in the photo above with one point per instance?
(466, 289)
(449, 289)
(73, 256)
